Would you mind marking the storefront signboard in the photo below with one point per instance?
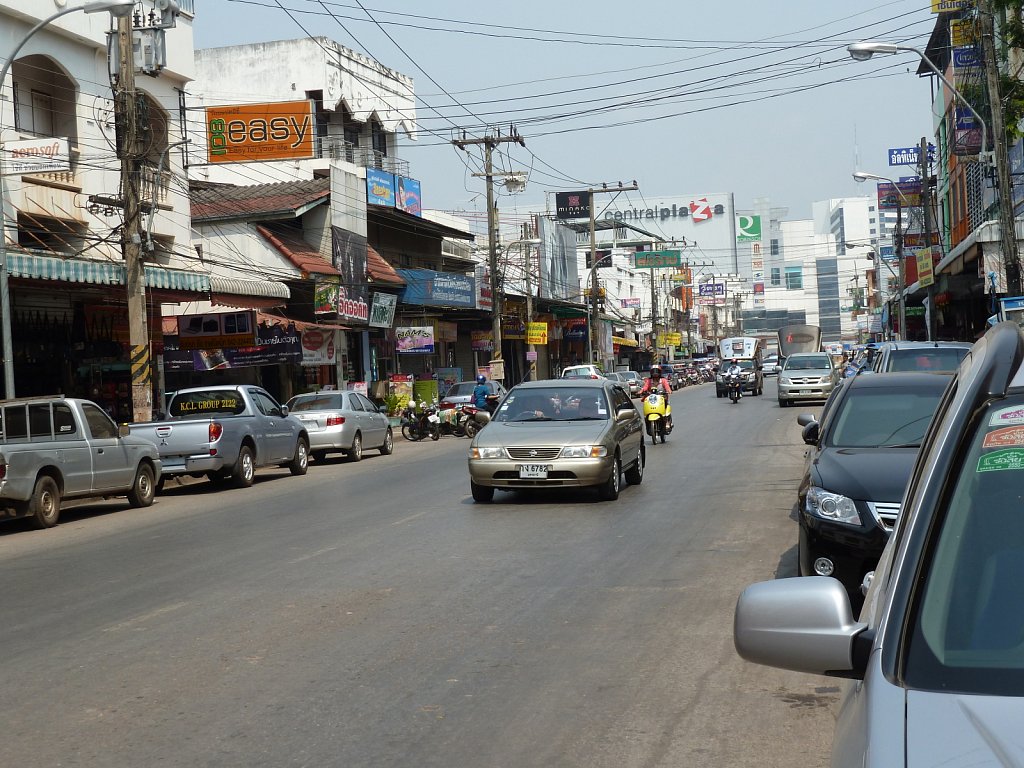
(415, 339)
(447, 378)
(36, 156)
(481, 341)
(217, 330)
(536, 333)
(325, 295)
(380, 187)
(348, 250)
(409, 197)
(275, 344)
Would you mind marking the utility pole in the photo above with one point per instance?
(592, 322)
(903, 266)
(654, 316)
(497, 300)
(1007, 230)
(130, 151)
(926, 203)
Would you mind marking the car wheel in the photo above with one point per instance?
(389, 443)
(355, 453)
(635, 474)
(481, 493)
(143, 489)
(318, 456)
(244, 471)
(43, 508)
(609, 490)
(300, 462)
(782, 403)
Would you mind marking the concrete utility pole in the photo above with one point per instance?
(592, 322)
(490, 143)
(130, 130)
(1007, 230)
(926, 206)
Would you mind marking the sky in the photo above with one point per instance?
(755, 98)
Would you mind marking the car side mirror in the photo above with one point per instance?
(123, 430)
(805, 418)
(625, 413)
(810, 433)
(284, 411)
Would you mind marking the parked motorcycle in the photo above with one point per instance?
(656, 413)
(420, 424)
(476, 419)
(456, 422)
(734, 383)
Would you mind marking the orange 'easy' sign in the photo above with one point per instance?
(243, 133)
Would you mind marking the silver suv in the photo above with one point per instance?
(936, 661)
(807, 376)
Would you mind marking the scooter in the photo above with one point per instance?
(735, 384)
(415, 426)
(656, 413)
(476, 419)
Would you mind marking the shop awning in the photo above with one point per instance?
(34, 267)
(622, 341)
(238, 287)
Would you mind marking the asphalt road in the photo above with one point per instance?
(372, 615)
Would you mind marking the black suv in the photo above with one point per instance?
(861, 457)
(924, 356)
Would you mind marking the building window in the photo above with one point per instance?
(794, 278)
(775, 247)
(875, 231)
(776, 276)
(871, 209)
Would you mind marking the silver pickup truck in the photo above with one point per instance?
(54, 448)
(224, 432)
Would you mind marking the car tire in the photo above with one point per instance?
(43, 508)
(300, 462)
(244, 472)
(143, 489)
(609, 489)
(388, 446)
(355, 453)
(482, 494)
(782, 403)
(635, 474)
(319, 456)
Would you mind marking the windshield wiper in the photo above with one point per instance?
(901, 445)
(587, 418)
(537, 418)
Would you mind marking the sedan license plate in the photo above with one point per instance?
(534, 471)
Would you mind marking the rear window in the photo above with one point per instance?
(317, 403)
(968, 627)
(207, 403)
(869, 418)
(462, 389)
(942, 359)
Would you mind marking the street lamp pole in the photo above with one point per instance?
(117, 8)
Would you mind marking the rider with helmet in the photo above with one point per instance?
(656, 383)
(481, 392)
(734, 368)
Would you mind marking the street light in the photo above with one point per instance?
(117, 8)
(862, 176)
(865, 49)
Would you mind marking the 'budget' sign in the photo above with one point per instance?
(243, 133)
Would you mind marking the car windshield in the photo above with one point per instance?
(814, 362)
(577, 373)
(939, 359)
(316, 402)
(745, 363)
(553, 404)
(968, 627)
(876, 417)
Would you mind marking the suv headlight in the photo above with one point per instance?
(831, 506)
(826, 379)
(486, 453)
(784, 381)
(584, 452)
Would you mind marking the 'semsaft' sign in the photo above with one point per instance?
(244, 133)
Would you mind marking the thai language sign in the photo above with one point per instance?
(243, 133)
(426, 287)
(273, 345)
(382, 310)
(217, 330)
(35, 156)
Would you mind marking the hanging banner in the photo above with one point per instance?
(275, 344)
(326, 291)
(536, 333)
(418, 339)
(925, 274)
(348, 251)
(318, 347)
(382, 310)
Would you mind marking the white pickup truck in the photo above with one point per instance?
(54, 448)
(225, 432)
